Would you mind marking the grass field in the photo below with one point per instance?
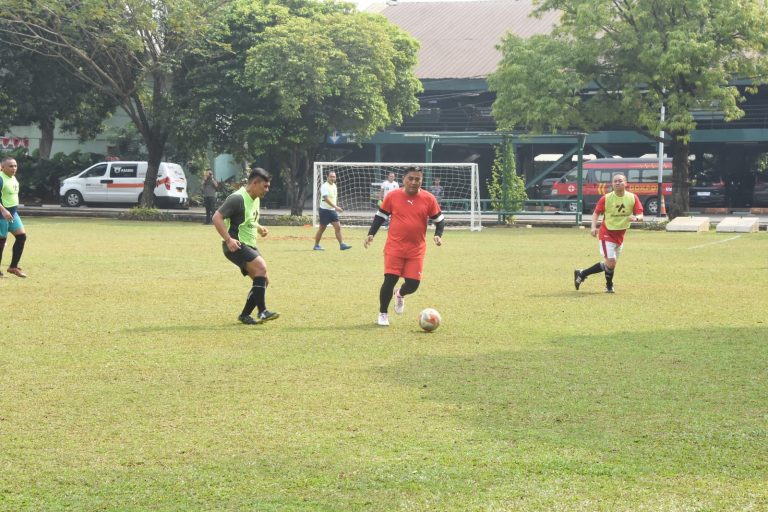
(127, 384)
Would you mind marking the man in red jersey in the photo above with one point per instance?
(619, 208)
(408, 208)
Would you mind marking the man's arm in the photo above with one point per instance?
(329, 203)
(5, 213)
(637, 211)
(378, 221)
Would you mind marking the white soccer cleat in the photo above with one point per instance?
(383, 319)
(399, 302)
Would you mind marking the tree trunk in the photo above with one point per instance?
(298, 163)
(46, 126)
(155, 150)
(680, 182)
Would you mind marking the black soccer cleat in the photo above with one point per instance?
(249, 320)
(609, 289)
(577, 278)
(268, 315)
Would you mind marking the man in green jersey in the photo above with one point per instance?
(620, 208)
(9, 217)
(237, 221)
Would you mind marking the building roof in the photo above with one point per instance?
(458, 39)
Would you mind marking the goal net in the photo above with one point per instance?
(359, 186)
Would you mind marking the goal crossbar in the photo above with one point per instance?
(359, 185)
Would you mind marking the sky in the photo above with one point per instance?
(362, 4)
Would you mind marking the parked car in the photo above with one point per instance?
(123, 183)
(760, 192)
(707, 192)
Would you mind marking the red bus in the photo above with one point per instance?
(642, 179)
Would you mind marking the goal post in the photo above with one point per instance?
(456, 186)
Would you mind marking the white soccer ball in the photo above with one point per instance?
(429, 319)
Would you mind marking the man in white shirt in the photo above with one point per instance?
(387, 187)
(329, 212)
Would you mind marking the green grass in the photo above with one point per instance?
(128, 385)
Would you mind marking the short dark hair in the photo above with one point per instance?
(7, 158)
(413, 168)
(258, 172)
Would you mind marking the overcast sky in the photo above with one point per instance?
(362, 4)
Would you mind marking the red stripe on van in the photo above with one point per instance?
(125, 185)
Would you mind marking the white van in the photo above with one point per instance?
(123, 182)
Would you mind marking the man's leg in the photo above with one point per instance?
(257, 296)
(339, 238)
(16, 252)
(2, 247)
(386, 291)
(319, 235)
(609, 277)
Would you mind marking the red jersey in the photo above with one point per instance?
(406, 237)
(616, 235)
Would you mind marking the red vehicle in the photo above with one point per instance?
(642, 179)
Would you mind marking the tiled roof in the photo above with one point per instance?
(458, 39)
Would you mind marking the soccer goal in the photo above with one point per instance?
(359, 185)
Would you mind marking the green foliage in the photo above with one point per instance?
(289, 220)
(505, 187)
(143, 213)
(127, 52)
(652, 226)
(146, 394)
(284, 76)
(34, 97)
(615, 63)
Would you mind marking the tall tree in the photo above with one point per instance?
(43, 92)
(301, 71)
(613, 64)
(125, 49)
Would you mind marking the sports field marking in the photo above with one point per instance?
(716, 242)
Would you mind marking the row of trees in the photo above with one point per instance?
(254, 78)
(614, 64)
(274, 77)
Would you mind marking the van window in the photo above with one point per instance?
(95, 172)
(652, 175)
(572, 176)
(604, 175)
(123, 171)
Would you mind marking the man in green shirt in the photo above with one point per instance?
(9, 217)
(237, 221)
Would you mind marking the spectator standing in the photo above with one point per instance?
(210, 186)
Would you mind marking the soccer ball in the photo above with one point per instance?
(429, 319)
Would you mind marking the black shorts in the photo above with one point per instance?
(328, 216)
(242, 256)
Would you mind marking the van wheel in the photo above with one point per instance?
(73, 199)
(652, 206)
(572, 206)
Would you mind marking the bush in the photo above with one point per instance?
(145, 214)
(289, 220)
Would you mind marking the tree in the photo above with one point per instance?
(43, 92)
(505, 188)
(297, 73)
(127, 50)
(613, 64)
